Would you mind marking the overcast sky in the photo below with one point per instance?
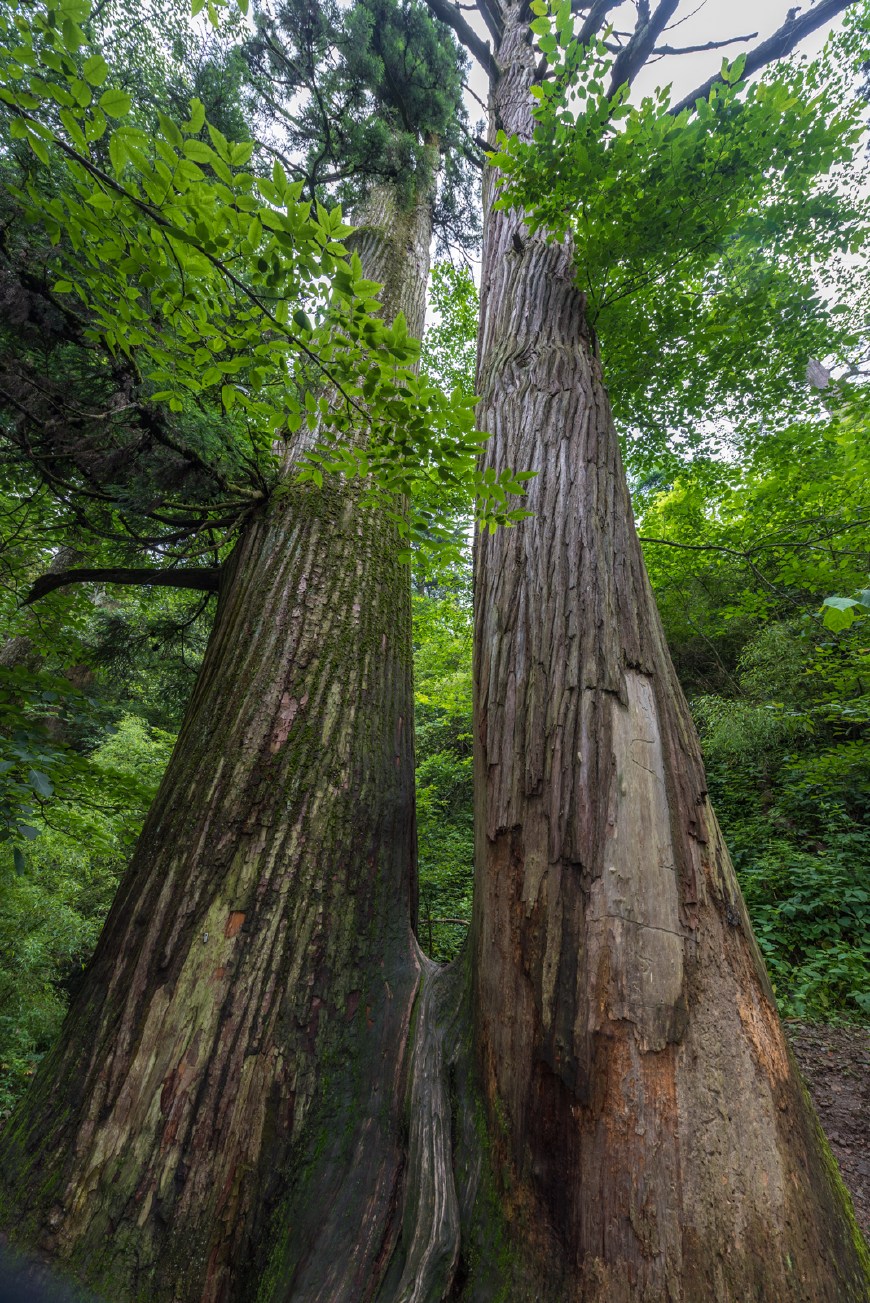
(696, 22)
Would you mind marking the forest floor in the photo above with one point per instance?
(835, 1062)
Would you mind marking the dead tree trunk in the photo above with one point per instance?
(223, 1116)
(650, 1137)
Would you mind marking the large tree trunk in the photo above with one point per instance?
(223, 1116)
(650, 1137)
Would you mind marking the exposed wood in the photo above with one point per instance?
(431, 1229)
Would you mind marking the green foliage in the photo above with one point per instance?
(413, 68)
(442, 671)
(796, 821)
(51, 916)
(367, 93)
(770, 533)
(811, 916)
(449, 345)
(700, 239)
(740, 555)
(217, 286)
(48, 776)
(840, 613)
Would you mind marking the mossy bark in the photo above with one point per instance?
(649, 1136)
(223, 1117)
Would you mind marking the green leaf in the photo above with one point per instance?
(38, 147)
(116, 103)
(839, 613)
(241, 154)
(73, 36)
(95, 70)
(118, 151)
(737, 67)
(220, 142)
(197, 118)
(199, 151)
(40, 783)
(170, 131)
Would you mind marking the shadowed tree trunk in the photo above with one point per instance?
(650, 1137)
(223, 1113)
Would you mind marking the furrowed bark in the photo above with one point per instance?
(223, 1116)
(650, 1137)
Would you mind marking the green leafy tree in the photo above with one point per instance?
(277, 860)
(777, 686)
(625, 1036)
(617, 1017)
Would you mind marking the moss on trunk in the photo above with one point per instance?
(237, 1050)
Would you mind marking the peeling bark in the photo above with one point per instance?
(649, 1135)
(223, 1115)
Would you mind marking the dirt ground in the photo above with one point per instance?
(835, 1062)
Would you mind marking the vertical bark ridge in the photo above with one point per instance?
(232, 1073)
(649, 1132)
(431, 1220)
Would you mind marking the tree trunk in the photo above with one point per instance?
(223, 1116)
(650, 1137)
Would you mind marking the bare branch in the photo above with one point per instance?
(629, 61)
(474, 95)
(490, 12)
(701, 49)
(205, 580)
(777, 46)
(593, 20)
(450, 14)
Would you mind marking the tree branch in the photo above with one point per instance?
(701, 49)
(204, 580)
(629, 61)
(777, 46)
(447, 13)
(490, 12)
(593, 20)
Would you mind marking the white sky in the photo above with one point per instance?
(705, 20)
